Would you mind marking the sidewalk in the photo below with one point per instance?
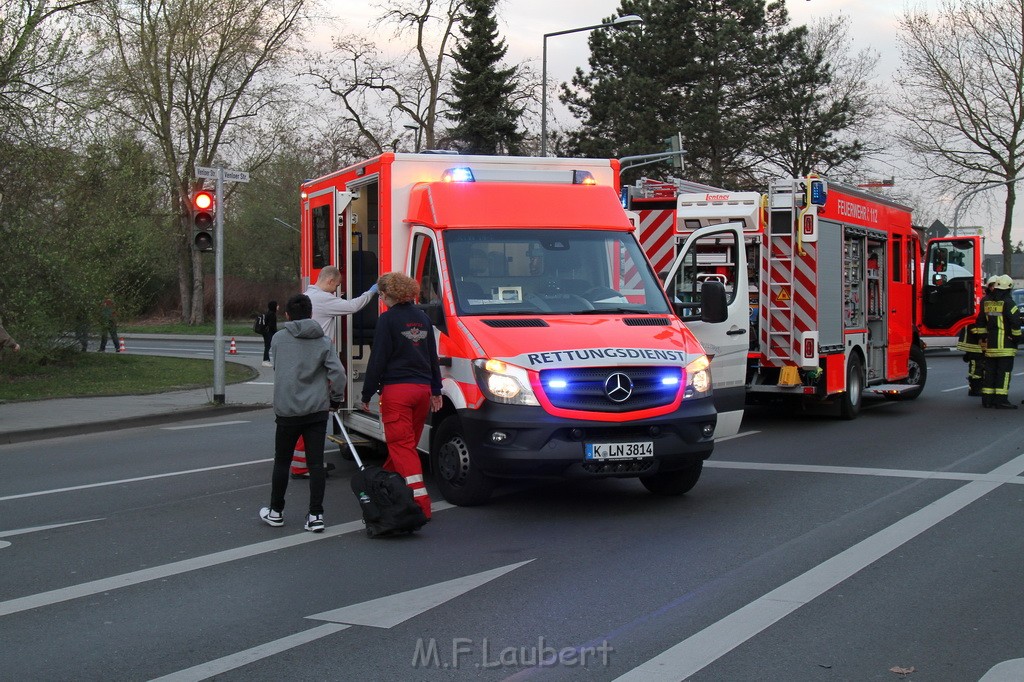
(39, 419)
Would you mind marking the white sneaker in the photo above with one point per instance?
(271, 517)
(267, 363)
(315, 523)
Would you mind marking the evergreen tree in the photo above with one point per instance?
(705, 68)
(484, 110)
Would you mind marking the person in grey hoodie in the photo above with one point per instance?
(309, 380)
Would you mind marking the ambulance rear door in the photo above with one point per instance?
(717, 254)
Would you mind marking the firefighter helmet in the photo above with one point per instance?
(1005, 283)
(991, 280)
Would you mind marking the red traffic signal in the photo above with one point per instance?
(203, 211)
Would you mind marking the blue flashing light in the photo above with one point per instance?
(670, 381)
(583, 177)
(818, 193)
(461, 174)
(558, 384)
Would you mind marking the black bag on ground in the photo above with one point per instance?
(385, 499)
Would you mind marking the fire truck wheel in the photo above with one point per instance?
(918, 373)
(459, 481)
(849, 406)
(673, 482)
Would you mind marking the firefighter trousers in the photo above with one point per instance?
(996, 385)
(403, 411)
(975, 372)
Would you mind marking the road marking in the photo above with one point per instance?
(202, 426)
(864, 471)
(955, 388)
(705, 647)
(737, 435)
(385, 612)
(259, 383)
(35, 529)
(223, 665)
(1007, 671)
(35, 601)
(133, 480)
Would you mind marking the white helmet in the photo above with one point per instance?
(1004, 283)
(991, 280)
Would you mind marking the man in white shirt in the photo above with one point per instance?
(327, 306)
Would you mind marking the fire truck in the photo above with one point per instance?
(838, 294)
(560, 352)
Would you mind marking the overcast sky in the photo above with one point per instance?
(523, 23)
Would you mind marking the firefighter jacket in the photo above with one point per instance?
(1001, 320)
(971, 338)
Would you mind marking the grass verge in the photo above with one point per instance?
(236, 328)
(96, 374)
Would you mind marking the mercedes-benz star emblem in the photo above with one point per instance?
(618, 387)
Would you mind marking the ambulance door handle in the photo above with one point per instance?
(734, 332)
(444, 361)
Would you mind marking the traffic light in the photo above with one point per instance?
(674, 146)
(204, 211)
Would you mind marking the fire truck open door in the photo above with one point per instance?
(952, 285)
(717, 253)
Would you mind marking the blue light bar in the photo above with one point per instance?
(458, 175)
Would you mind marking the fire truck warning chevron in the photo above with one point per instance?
(560, 352)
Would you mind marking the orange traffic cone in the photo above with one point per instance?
(234, 350)
(120, 346)
(299, 469)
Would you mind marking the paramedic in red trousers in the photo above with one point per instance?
(327, 306)
(403, 367)
(308, 381)
(1001, 320)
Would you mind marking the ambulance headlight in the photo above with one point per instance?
(698, 377)
(504, 383)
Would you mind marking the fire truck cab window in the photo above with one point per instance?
(713, 259)
(542, 271)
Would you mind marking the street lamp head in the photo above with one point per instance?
(628, 20)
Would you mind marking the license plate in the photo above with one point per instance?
(619, 450)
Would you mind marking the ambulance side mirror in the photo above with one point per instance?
(435, 312)
(713, 305)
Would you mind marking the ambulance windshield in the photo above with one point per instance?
(530, 272)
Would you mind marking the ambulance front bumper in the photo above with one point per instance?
(526, 442)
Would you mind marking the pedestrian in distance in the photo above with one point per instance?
(972, 342)
(108, 325)
(403, 367)
(327, 306)
(1001, 320)
(269, 329)
(7, 341)
(309, 380)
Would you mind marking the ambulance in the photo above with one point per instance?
(560, 353)
(838, 285)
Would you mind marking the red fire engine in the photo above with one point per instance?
(560, 352)
(837, 292)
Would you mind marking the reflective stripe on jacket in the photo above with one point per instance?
(1001, 320)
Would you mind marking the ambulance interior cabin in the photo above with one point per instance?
(556, 271)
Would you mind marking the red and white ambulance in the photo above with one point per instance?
(834, 281)
(560, 352)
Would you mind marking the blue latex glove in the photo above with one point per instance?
(372, 289)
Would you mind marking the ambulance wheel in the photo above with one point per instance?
(849, 406)
(458, 478)
(674, 482)
(918, 373)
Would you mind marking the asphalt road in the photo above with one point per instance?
(811, 549)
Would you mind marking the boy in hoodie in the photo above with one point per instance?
(308, 381)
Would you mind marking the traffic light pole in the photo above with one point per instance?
(218, 260)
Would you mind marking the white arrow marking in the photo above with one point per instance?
(22, 531)
(387, 612)
(1007, 671)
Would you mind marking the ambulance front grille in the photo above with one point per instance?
(610, 389)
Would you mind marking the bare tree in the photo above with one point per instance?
(411, 90)
(38, 47)
(198, 79)
(961, 96)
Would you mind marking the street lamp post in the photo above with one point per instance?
(620, 22)
(416, 138)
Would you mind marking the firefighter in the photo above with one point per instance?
(1001, 320)
(971, 343)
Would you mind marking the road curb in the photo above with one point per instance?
(203, 412)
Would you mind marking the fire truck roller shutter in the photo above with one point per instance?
(364, 275)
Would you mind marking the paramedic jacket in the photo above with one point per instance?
(404, 351)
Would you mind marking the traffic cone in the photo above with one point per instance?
(299, 469)
(234, 350)
(120, 345)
